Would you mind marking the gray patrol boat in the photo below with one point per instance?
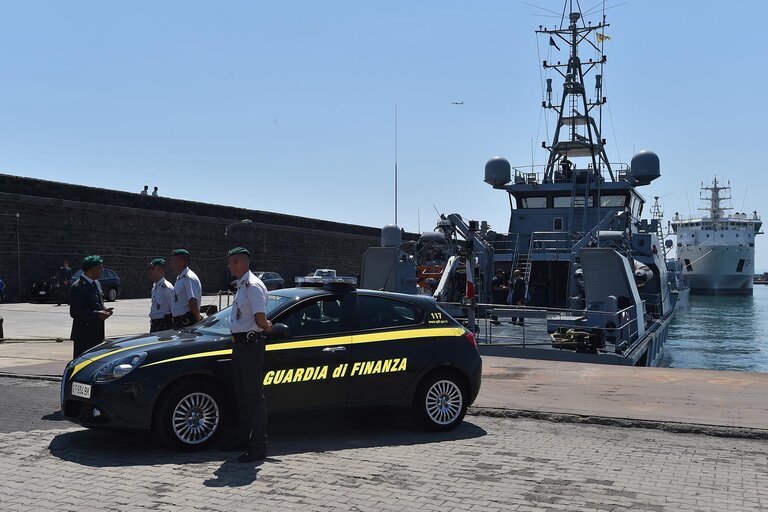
(598, 284)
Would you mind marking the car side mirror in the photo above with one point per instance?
(280, 332)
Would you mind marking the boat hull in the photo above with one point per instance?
(718, 270)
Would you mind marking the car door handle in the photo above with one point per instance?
(335, 349)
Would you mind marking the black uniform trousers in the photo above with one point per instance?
(85, 302)
(160, 324)
(248, 373)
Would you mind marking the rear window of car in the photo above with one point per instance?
(218, 324)
(383, 313)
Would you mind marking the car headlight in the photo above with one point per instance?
(119, 368)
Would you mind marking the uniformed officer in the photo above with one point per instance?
(64, 277)
(247, 319)
(86, 306)
(160, 318)
(187, 292)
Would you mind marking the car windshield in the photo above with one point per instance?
(218, 324)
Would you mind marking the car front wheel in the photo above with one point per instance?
(112, 294)
(441, 401)
(189, 416)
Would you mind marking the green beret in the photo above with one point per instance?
(157, 262)
(238, 250)
(91, 261)
(180, 252)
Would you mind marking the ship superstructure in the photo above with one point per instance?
(576, 231)
(597, 286)
(717, 250)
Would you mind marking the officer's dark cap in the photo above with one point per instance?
(238, 250)
(91, 261)
(157, 262)
(180, 252)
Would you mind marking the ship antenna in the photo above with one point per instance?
(395, 164)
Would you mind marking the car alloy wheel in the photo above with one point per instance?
(195, 418)
(112, 295)
(444, 402)
(441, 400)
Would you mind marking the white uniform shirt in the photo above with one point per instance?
(162, 299)
(187, 286)
(251, 298)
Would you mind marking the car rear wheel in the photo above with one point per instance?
(189, 416)
(112, 294)
(441, 401)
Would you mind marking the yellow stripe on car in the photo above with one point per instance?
(213, 353)
(85, 363)
(373, 337)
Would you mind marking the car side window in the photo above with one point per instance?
(319, 317)
(381, 313)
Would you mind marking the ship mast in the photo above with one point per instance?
(576, 134)
(715, 199)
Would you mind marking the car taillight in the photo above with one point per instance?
(471, 338)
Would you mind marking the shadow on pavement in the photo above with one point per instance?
(288, 435)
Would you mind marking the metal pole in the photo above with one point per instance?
(18, 252)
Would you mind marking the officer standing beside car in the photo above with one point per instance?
(187, 292)
(160, 317)
(86, 307)
(247, 320)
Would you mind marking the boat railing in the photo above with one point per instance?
(508, 245)
(535, 174)
(613, 332)
(551, 241)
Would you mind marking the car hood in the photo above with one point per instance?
(158, 346)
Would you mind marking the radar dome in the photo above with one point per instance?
(497, 172)
(391, 236)
(645, 167)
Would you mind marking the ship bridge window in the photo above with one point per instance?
(578, 202)
(612, 201)
(533, 202)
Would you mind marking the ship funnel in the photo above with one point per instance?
(645, 167)
(498, 172)
(391, 236)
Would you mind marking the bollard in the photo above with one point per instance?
(1, 328)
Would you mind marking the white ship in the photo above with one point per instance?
(717, 251)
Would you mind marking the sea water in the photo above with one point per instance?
(721, 333)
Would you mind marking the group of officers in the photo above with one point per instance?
(177, 306)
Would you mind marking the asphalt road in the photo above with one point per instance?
(27, 405)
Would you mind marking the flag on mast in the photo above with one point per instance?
(553, 43)
(470, 279)
(602, 37)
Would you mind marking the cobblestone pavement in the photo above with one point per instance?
(390, 464)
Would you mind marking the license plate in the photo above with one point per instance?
(42, 292)
(81, 390)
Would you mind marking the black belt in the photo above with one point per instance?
(184, 320)
(247, 337)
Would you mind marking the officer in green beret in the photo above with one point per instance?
(187, 292)
(86, 306)
(247, 319)
(160, 318)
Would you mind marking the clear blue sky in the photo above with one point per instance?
(289, 106)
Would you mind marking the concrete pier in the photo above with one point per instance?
(733, 403)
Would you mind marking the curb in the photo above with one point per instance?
(49, 378)
(666, 426)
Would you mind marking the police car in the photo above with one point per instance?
(332, 346)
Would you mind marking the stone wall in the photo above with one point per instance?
(59, 220)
